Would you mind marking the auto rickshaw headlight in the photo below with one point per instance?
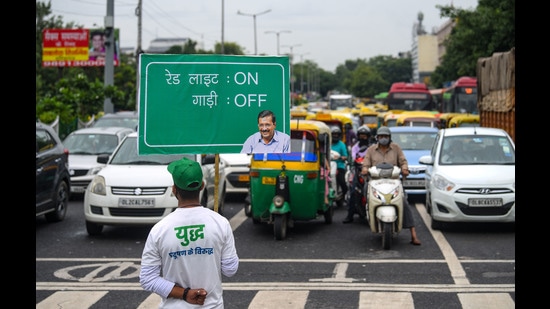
(278, 201)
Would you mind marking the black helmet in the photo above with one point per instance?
(363, 130)
(336, 133)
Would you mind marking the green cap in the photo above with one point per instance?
(187, 174)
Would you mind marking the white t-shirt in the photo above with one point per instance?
(190, 244)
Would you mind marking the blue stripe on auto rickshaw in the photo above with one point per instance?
(291, 156)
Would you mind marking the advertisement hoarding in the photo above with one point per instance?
(76, 48)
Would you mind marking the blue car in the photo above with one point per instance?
(415, 142)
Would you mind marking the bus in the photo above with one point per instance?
(437, 96)
(340, 101)
(461, 97)
(410, 97)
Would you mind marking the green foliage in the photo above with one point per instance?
(480, 33)
(229, 48)
(366, 81)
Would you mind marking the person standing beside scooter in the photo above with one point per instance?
(387, 151)
(341, 148)
(363, 142)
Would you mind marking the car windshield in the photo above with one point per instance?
(414, 140)
(128, 154)
(477, 149)
(129, 122)
(91, 144)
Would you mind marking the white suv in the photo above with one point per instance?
(474, 183)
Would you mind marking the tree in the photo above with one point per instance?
(229, 48)
(366, 81)
(488, 29)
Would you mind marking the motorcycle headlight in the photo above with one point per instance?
(386, 198)
(278, 201)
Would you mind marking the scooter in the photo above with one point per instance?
(385, 202)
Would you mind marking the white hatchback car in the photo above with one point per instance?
(237, 172)
(137, 190)
(84, 146)
(471, 176)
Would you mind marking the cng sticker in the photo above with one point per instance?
(299, 179)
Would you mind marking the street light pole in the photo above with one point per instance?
(277, 33)
(108, 106)
(254, 17)
(222, 47)
(302, 72)
(291, 71)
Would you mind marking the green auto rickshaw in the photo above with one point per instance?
(290, 187)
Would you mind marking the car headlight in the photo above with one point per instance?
(441, 183)
(97, 186)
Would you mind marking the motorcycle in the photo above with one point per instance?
(385, 204)
(356, 186)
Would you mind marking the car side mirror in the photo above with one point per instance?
(427, 159)
(208, 159)
(102, 158)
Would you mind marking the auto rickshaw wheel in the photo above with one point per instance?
(280, 225)
(248, 209)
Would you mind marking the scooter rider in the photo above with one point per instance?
(387, 151)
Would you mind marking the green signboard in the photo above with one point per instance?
(208, 103)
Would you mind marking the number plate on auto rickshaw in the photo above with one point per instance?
(269, 180)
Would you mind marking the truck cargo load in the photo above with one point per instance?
(496, 79)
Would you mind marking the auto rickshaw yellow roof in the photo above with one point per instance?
(456, 121)
(312, 125)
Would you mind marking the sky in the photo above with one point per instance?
(322, 31)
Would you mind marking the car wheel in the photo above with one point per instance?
(93, 228)
(61, 202)
(427, 204)
(436, 225)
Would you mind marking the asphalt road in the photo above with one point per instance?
(318, 265)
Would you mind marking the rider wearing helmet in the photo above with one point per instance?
(363, 139)
(387, 151)
(341, 148)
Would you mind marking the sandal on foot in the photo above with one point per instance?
(416, 242)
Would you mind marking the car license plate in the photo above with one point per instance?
(414, 183)
(136, 202)
(484, 202)
(268, 180)
(244, 178)
(78, 189)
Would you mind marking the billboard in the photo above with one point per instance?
(208, 103)
(76, 47)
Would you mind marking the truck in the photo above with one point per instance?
(496, 91)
